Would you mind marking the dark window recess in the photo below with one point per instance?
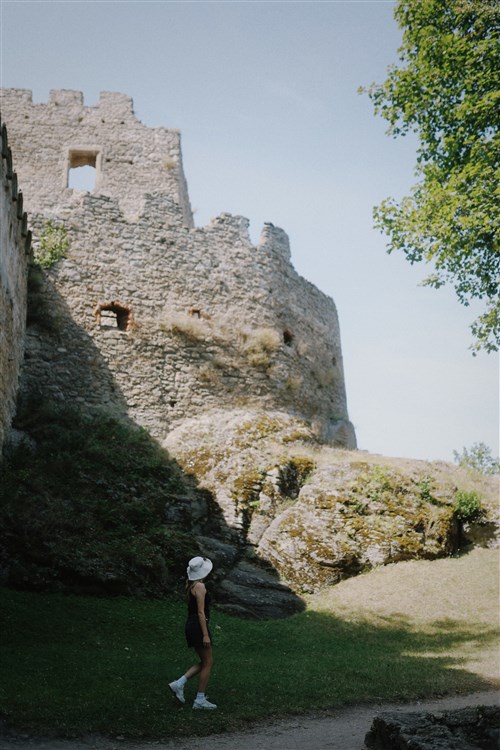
(115, 312)
(288, 337)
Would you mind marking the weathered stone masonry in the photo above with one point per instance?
(15, 247)
(214, 321)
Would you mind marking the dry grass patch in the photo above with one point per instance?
(181, 324)
(430, 596)
(259, 345)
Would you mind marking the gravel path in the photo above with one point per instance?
(342, 729)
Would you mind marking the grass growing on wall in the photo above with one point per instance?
(78, 664)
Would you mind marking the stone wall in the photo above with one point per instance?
(208, 320)
(130, 159)
(15, 239)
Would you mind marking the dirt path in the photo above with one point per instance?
(343, 729)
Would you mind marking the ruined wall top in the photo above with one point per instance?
(130, 159)
(211, 320)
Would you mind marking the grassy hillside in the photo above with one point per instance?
(77, 664)
(82, 506)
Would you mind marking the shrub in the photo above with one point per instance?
(259, 359)
(426, 488)
(53, 245)
(266, 339)
(467, 506)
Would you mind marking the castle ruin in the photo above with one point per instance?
(15, 246)
(147, 315)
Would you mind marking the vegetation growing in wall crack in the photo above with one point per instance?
(259, 345)
(190, 328)
(53, 244)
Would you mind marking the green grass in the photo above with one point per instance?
(77, 664)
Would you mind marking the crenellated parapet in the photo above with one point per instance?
(15, 249)
(189, 319)
(129, 158)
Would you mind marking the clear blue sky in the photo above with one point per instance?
(265, 95)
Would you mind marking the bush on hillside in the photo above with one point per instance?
(82, 507)
(467, 506)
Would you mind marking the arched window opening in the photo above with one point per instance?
(288, 337)
(114, 312)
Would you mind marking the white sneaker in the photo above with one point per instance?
(177, 690)
(204, 704)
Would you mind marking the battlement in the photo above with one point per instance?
(111, 104)
(129, 158)
(15, 249)
(151, 317)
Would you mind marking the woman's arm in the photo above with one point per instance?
(199, 591)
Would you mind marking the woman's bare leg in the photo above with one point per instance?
(205, 654)
(192, 671)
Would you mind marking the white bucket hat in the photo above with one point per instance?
(198, 568)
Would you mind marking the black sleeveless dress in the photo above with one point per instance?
(194, 633)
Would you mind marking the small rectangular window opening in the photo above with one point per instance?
(82, 169)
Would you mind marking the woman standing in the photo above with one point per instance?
(197, 633)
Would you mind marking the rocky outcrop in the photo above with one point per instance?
(313, 514)
(476, 728)
(245, 587)
(353, 516)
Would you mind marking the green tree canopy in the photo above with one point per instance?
(447, 91)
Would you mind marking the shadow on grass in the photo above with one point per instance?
(71, 665)
(78, 664)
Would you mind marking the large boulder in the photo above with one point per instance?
(247, 587)
(251, 590)
(313, 513)
(353, 516)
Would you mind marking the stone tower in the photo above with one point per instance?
(147, 316)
